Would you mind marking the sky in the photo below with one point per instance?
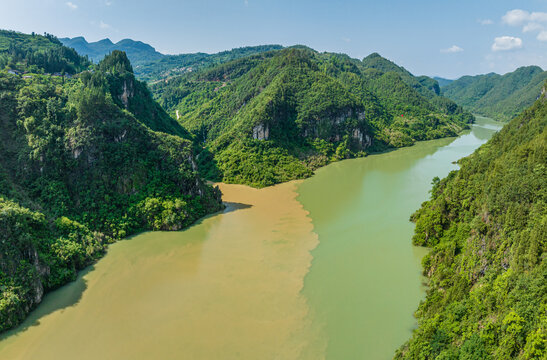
(447, 38)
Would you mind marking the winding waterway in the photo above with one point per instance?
(316, 269)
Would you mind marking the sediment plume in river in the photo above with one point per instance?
(227, 288)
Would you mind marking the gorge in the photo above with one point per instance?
(320, 268)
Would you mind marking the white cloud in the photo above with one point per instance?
(516, 17)
(452, 49)
(103, 25)
(530, 21)
(533, 26)
(108, 3)
(346, 39)
(485, 22)
(542, 36)
(246, 2)
(538, 16)
(504, 43)
(72, 5)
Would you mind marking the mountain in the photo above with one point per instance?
(498, 96)
(442, 81)
(39, 54)
(173, 65)
(278, 115)
(137, 51)
(426, 86)
(150, 65)
(84, 160)
(486, 225)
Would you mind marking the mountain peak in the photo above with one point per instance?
(106, 41)
(374, 55)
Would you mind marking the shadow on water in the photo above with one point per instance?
(233, 206)
(59, 299)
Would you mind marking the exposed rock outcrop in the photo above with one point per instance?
(261, 132)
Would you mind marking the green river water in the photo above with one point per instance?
(314, 269)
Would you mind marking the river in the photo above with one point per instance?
(314, 269)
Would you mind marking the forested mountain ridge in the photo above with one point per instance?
(277, 115)
(151, 65)
(426, 86)
(38, 54)
(498, 96)
(487, 226)
(81, 166)
(174, 65)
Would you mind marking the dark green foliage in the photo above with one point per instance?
(487, 270)
(259, 163)
(115, 76)
(498, 96)
(38, 54)
(81, 165)
(294, 99)
(426, 86)
(442, 81)
(173, 65)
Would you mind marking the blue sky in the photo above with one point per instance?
(446, 38)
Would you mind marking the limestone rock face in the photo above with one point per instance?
(128, 92)
(363, 139)
(261, 132)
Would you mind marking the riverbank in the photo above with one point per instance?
(229, 287)
(365, 280)
(313, 269)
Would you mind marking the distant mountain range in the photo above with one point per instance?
(497, 96)
(151, 65)
(137, 51)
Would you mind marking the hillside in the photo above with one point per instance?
(150, 65)
(137, 51)
(278, 115)
(442, 81)
(426, 86)
(81, 166)
(487, 227)
(38, 54)
(174, 65)
(498, 96)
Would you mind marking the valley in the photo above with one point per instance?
(259, 203)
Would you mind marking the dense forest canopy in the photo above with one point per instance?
(487, 226)
(84, 161)
(277, 115)
(498, 96)
(38, 54)
(87, 156)
(150, 65)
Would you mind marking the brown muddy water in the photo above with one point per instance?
(318, 269)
